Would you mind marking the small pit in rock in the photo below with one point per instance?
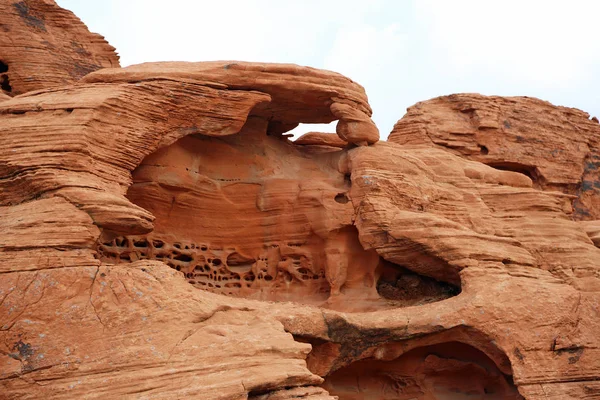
(341, 198)
(4, 81)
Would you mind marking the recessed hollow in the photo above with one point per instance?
(183, 257)
(4, 80)
(407, 288)
(5, 83)
(341, 198)
(450, 370)
(254, 227)
(530, 171)
(239, 263)
(140, 243)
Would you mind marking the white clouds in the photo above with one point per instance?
(552, 43)
(373, 57)
(400, 51)
(260, 30)
(362, 52)
(365, 54)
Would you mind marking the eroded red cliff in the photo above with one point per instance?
(556, 147)
(43, 45)
(163, 238)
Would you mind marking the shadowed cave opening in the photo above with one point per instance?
(449, 370)
(404, 286)
(530, 171)
(226, 271)
(341, 198)
(254, 215)
(4, 81)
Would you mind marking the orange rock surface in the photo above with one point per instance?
(43, 45)
(558, 148)
(162, 238)
(321, 139)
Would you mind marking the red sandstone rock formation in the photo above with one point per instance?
(321, 139)
(162, 238)
(558, 148)
(43, 45)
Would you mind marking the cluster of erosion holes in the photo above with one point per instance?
(280, 267)
(4, 82)
(450, 370)
(218, 270)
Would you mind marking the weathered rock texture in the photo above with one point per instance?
(321, 139)
(161, 238)
(558, 148)
(289, 95)
(43, 45)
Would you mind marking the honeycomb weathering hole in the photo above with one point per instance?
(4, 81)
(451, 370)
(341, 198)
(251, 215)
(218, 270)
(240, 263)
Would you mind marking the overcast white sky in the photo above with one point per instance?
(402, 52)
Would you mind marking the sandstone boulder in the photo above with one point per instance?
(43, 45)
(321, 139)
(556, 147)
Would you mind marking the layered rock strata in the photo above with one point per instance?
(556, 147)
(163, 238)
(43, 46)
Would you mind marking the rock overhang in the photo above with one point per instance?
(529, 273)
(297, 94)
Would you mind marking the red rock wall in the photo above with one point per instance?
(556, 147)
(43, 45)
(353, 268)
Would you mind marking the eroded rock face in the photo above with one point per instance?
(43, 45)
(253, 215)
(296, 94)
(240, 215)
(441, 371)
(438, 214)
(161, 238)
(556, 147)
